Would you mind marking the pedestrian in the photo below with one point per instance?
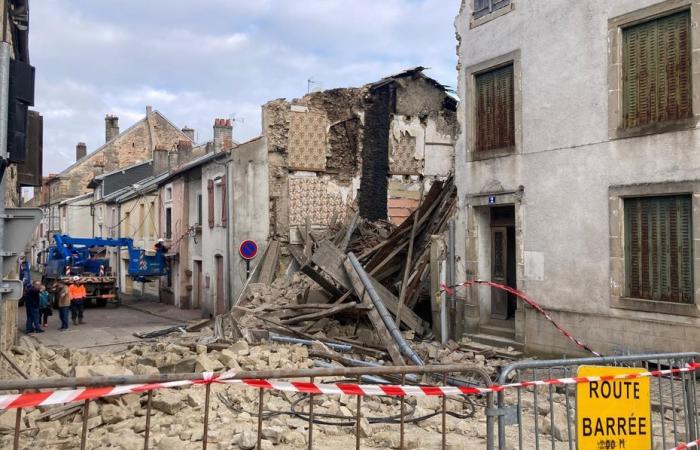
(31, 303)
(63, 294)
(77, 301)
(45, 309)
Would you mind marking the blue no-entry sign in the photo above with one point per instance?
(248, 249)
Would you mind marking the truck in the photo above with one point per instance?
(72, 257)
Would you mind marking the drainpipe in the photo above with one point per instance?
(383, 312)
(119, 249)
(229, 230)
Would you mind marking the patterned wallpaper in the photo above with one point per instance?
(308, 141)
(310, 197)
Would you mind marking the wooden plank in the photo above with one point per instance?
(320, 314)
(348, 234)
(408, 317)
(409, 258)
(374, 317)
(322, 281)
(269, 263)
(297, 253)
(330, 259)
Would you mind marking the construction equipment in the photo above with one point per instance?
(78, 257)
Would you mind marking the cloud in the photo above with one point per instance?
(196, 60)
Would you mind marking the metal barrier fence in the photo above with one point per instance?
(550, 421)
(531, 417)
(455, 375)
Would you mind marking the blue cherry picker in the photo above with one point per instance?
(73, 257)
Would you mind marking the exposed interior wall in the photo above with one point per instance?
(375, 157)
(378, 143)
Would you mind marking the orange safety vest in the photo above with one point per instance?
(77, 292)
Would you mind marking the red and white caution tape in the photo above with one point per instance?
(27, 400)
(694, 444)
(32, 399)
(521, 295)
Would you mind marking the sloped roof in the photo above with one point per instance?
(413, 72)
(197, 162)
(67, 170)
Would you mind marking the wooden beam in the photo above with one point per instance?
(320, 314)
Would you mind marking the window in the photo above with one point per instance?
(656, 71)
(658, 252)
(199, 209)
(168, 223)
(484, 7)
(168, 193)
(210, 202)
(495, 112)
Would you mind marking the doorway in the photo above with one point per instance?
(503, 261)
(220, 306)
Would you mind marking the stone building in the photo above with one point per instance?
(135, 144)
(370, 145)
(578, 171)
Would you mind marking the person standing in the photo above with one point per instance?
(77, 301)
(44, 306)
(32, 303)
(64, 304)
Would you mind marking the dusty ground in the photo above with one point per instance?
(111, 325)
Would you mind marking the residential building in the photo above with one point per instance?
(136, 144)
(146, 148)
(372, 146)
(578, 172)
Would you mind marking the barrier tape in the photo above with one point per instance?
(694, 444)
(27, 400)
(521, 295)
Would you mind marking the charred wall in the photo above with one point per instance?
(379, 106)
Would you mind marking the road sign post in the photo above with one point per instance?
(248, 251)
(613, 414)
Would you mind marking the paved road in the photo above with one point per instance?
(111, 325)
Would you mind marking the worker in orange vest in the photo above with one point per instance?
(77, 300)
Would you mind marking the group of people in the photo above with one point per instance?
(38, 303)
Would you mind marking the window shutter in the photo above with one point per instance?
(210, 193)
(481, 7)
(224, 202)
(658, 255)
(495, 115)
(656, 71)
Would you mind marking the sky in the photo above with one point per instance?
(197, 60)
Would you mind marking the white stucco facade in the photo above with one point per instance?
(567, 175)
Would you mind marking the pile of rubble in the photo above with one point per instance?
(177, 417)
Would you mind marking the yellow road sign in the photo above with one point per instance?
(613, 415)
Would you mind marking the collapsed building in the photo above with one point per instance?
(371, 146)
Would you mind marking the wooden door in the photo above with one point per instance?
(499, 271)
(220, 305)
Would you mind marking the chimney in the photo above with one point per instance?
(184, 152)
(223, 135)
(161, 160)
(111, 127)
(149, 110)
(189, 132)
(80, 150)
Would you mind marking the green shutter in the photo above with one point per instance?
(495, 114)
(658, 248)
(656, 71)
